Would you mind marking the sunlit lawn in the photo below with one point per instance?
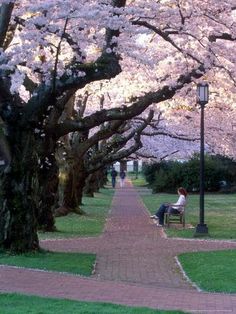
(89, 225)
(220, 213)
(137, 180)
(20, 304)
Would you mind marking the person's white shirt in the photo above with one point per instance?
(180, 203)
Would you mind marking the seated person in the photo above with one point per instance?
(175, 208)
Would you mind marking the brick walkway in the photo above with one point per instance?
(135, 265)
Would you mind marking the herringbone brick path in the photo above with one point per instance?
(136, 265)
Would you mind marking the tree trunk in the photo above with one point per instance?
(102, 178)
(92, 184)
(18, 211)
(48, 181)
(73, 190)
(88, 189)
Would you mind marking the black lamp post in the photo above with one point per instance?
(202, 97)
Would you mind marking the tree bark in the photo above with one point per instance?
(18, 210)
(102, 177)
(48, 181)
(91, 185)
(73, 190)
(5, 17)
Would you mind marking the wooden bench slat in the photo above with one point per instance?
(180, 218)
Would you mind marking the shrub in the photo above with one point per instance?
(167, 176)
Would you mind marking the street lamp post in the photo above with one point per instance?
(202, 97)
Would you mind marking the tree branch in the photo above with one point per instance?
(102, 134)
(104, 158)
(224, 36)
(149, 156)
(126, 113)
(5, 17)
(166, 37)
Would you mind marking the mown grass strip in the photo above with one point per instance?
(211, 271)
(75, 263)
(89, 225)
(19, 304)
(220, 213)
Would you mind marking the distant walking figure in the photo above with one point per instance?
(113, 177)
(175, 208)
(122, 178)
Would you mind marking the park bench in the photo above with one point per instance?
(175, 218)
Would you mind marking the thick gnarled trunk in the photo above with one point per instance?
(48, 187)
(18, 211)
(73, 190)
(102, 177)
(18, 221)
(48, 197)
(92, 184)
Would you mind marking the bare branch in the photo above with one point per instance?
(224, 36)
(57, 58)
(102, 134)
(81, 104)
(116, 154)
(166, 37)
(150, 156)
(5, 17)
(125, 113)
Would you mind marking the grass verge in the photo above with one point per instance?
(138, 181)
(220, 214)
(20, 304)
(69, 226)
(211, 271)
(89, 225)
(75, 263)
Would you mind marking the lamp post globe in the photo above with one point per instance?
(202, 99)
(203, 94)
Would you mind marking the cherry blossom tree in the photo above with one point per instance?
(34, 37)
(51, 49)
(87, 153)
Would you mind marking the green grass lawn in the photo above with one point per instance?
(220, 213)
(138, 181)
(76, 263)
(211, 271)
(20, 304)
(72, 225)
(89, 225)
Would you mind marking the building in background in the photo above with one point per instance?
(129, 166)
